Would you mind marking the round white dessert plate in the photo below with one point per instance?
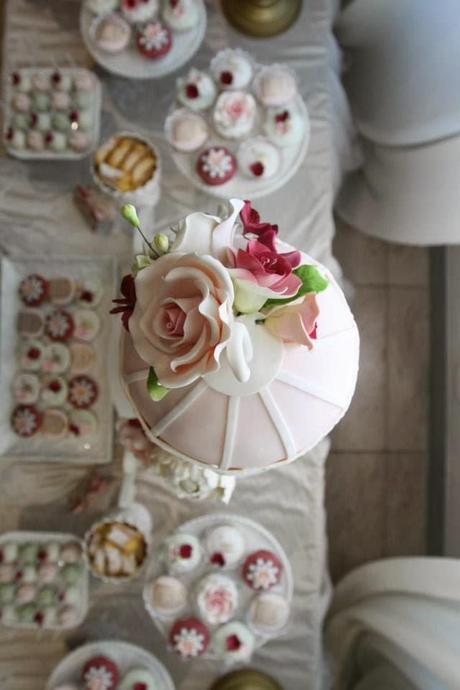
(23, 537)
(240, 186)
(256, 538)
(126, 656)
(67, 154)
(130, 63)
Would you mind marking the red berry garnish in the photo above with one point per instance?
(185, 551)
(39, 618)
(282, 117)
(73, 116)
(61, 596)
(33, 119)
(54, 386)
(191, 91)
(9, 134)
(257, 168)
(173, 3)
(18, 576)
(41, 555)
(1, 556)
(131, 4)
(226, 78)
(49, 137)
(73, 428)
(86, 296)
(33, 353)
(218, 559)
(140, 686)
(15, 78)
(233, 643)
(56, 77)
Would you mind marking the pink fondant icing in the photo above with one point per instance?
(274, 425)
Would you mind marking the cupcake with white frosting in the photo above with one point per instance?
(216, 599)
(284, 126)
(234, 114)
(258, 158)
(138, 11)
(181, 15)
(232, 68)
(196, 90)
(275, 85)
(185, 130)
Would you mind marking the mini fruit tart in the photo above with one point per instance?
(33, 290)
(59, 325)
(26, 420)
(83, 392)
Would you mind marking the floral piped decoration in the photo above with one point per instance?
(188, 298)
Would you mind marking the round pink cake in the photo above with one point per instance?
(276, 398)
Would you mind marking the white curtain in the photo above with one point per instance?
(395, 625)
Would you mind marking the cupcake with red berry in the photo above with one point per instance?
(285, 126)
(216, 165)
(233, 642)
(182, 553)
(82, 392)
(232, 68)
(189, 637)
(139, 11)
(33, 290)
(225, 546)
(258, 158)
(262, 570)
(30, 355)
(181, 15)
(234, 114)
(25, 420)
(196, 90)
(154, 40)
(59, 325)
(53, 391)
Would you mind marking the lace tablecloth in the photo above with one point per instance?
(37, 216)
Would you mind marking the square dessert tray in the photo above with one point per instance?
(256, 539)
(127, 658)
(129, 62)
(49, 116)
(62, 387)
(44, 581)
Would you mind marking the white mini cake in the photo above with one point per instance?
(234, 114)
(268, 613)
(182, 553)
(181, 15)
(284, 126)
(196, 90)
(275, 85)
(225, 546)
(232, 69)
(138, 11)
(185, 130)
(258, 158)
(102, 6)
(166, 595)
(217, 599)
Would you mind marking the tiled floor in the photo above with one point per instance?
(376, 475)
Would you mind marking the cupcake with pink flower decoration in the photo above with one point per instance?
(216, 598)
(154, 40)
(234, 114)
(216, 165)
(189, 637)
(262, 570)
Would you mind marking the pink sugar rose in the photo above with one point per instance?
(295, 322)
(260, 273)
(183, 316)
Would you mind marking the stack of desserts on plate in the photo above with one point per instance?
(152, 26)
(256, 111)
(51, 111)
(53, 389)
(217, 595)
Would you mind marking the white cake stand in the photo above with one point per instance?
(130, 63)
(240, 186)
(256, 537)
(126, 656)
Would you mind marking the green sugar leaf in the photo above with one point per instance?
(156, 391)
